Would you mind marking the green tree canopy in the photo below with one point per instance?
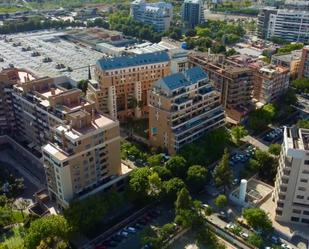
(223, 173)
(221, 201)
(139, 183)
(274, 149)
(155, 160)
(238, 132)
(50, 226)
(258, 219)
(164, 173)
(172, 187)
(196, 177)
(183, 200)
(303, 124)
(177, 165)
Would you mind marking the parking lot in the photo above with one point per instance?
(130, 235)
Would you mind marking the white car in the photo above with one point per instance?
(285, 246)
(230, 226)
(205, 205)
(244, 235)
(131, 229)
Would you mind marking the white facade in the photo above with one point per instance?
(158, 15)
(291, 193)
(290, 25)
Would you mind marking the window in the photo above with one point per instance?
(280, 204)
(306, 162)
(301, 188)
(306, 212)
(300, 197)
(305, 221)
(279, 212)
(295, 219)
(303, 180)
(296, 211)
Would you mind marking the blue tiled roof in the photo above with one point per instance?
(182, 79)
(132, 60)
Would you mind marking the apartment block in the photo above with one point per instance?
(304, 63)
(80, 148)
(192, 13)
(9, 77)
(290, 60)
(182, 108)
(235, 83)
(291, 194)
(289, 24)
(159, 14)
(270, 82)
(123, 82)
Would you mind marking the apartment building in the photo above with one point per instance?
(304, 63)
(159, 14)
(192, 13)
(290, 60)
(9, 77)
(182, 108)
(270, 82)
(289, 24)
(235, 83)
(80, 148)
(291, 194)
(123, 83)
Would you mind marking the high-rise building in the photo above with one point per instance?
(235, 83)
(291, 194)
(270, 82)
(9, 77)
(159, 15)
(123, 82)
(80, 148)
(304, 63)
(192, 13)
(182, 108)
(288, 24)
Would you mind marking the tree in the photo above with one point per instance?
(255, 240)
(53, 243)
(190, 33)
(274, 149)
(221, 201)
(50, 226)
(267, 165)
(183, 200)
(139, 183)
(155, 184)
(238, 132)
(196, 177)
(172, 187)
(258, 219)
(223, 173)
(164, 173)
(303, 124)
(301, 84)
(155, 160)
(83, 85)
(177, 165)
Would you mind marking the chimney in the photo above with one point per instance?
(52, 90)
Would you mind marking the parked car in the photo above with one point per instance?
(285, 246)
(230, 226)
(244, 235)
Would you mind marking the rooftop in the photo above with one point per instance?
(132, 60)
(178, 80)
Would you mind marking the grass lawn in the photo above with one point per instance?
(13, 239)
(11, 9)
